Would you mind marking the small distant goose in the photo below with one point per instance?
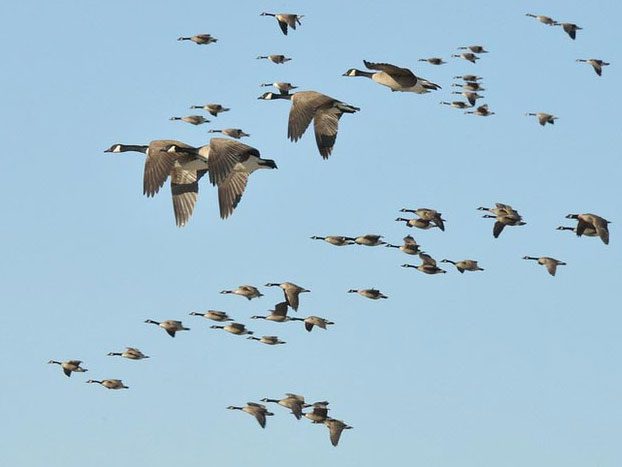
(470, 86)
(588, 232)
(110, 383)
(550, 263)
(275, 58)
(200, 39)
(457, 104)
(131, 353)
(293, 402)
(543, 19)
(596, 63)
(410, 246)
(503, 220)
(278, 315)
(588, 220)
(427, 266)
(373, 294)
(335, 427)
(427, 214)
(481, 111)
(570, 29)
(543, 118)
(418, 223)
(213, 109)
(284, 88)
(369, 240)
(501, 209)
(469, 56)
(247, 291)
(234, 328)
(258, 411)
(395, 78)
(471, 78)
(433, 60)
(214, 315)
(192, 119)
(478, 49)
(291, 292)
(269, 340)
(70, 366)
(470, 96)
(170, 326)
(285, 20)
(464, 265)
(337, 240)
(236, 133)
(319, 413)
(321, 323)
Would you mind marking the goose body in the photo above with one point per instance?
(291, 292)
(131, 353)
(70, 366)
(293, 402)
(275, 58)
(319, 413)
(200, 39)
(481, 111)
(247, 291)
(468, 56)
(395, 78)
(335, 428)
(457, 104)
(470, 96)
(213, 109)
(234, 328)
(477, 49)
(258, 411)
(311, 321)
(468, 78)
(464, 265)
(170, 326)
(588, 231)
(502, 220)
(283, 87)
(419, 223)
(109, 383)
(427, 214)
(470, 86)
(285, 20)
(213, 315)
(192, 119)
(372, 294)
(269, 340)
(543, 19)
(570, 29)
(369, 240)
(427, 266)
(543, 117)
(596, 63)
(598, 223)
(236, 133)
(337, 240)
(433, 60)
(549, 263)
(279, 314)
(410, 246)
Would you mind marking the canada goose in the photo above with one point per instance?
(337, 240)
(469, 56)
(70, 366)
(192, 119)
(457, 104)
(234, 328)
(285, 20)
(481, 111)
(369, 240)
(418, 223)
(478, 49)
(319, 413)
(470, 96)
(570, 29)
(410, 246)
(279, 314)
(291, 292)
(395, 78)
(199, 39)
(284, 88)
(236, 133)
(470, 86)
(336, 427)
(548, 262)
(502, 220)
(427, 214)
(321, 323)
(110, 383)
(588, 232)
(325, 112)
(464, 265)
(587, 220)
(258, 411)
(230, 164)
(427, 266)
(130, 353)
(294, 402)
(501, 209)
(596, 63)
(543, 19)
(269, 340)
(275, 58)
(247, 291)
(213, 109)
(170, 326)
(214, 315)
(373, 294)
(471, 78)
(543, 118)
(433, 60)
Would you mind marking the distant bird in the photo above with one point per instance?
(464, 265)
(428, 265)
(409, 247)
(269, 340)
(275, 58)
(70, 366)
(427, 214)
(213, 109)
(325, 112)
(192, 119)
(247, 291)
(550, 263)
(369, 240)
(457, 104)
(258, 411)
(283, 87)
(214, 315)
(469, 96)
(319, 413)
(131, 353)
(335, 428)
(285, 20)
(596, 63)
(471, 78)
(543, 117)
(279, 314)
(110, 383)
(481, 111)
(543, 19)
(293, 402)
(337, 240)
(291, 292)
(200, 39)
(395, 78)
(311, 321)
(570, 29)
(170, 326)
(586, 221)
(433, 60)
(469, 56)
(588, 232)
(501, 209)
(372, 294)
(236, 133)
(478, 49)
(234, 328)
(470, 86)
(502, 220)
(418, 223)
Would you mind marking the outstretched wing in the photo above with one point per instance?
(230, 192)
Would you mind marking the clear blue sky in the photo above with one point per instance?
(509, 367)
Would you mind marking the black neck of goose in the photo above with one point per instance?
(271, 400)
(388, 245)
(450, 261)
(54, 361)
(133, 147)
(115, 354)
(366, 74)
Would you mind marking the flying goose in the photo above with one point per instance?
(335, 427)
(236, 133)
(478, 49)
(543, 19)
(337, 240)
(170, 326)
(214, 315)
(278, 315)
(192, 119)
(311, 321)
(395, 78)
(275, 58)
(427, 214)
(325, 112)
(457, 104)
(471, 78)
(70, 366)
(543, 117)
(319, 413)
(285, 20)
(469, 56)
(481, 111)
(269, 340)
(587, 220)
(131, 353)
(283, 87)
(464, 265)
(293, 402)
(410, 246)
(502, 220)
(258, 411)
(291, 292)
(548, 262)
(596, 63)
(418, 223)
(199, 39)
(213, 109)
(427, 266)
(234, 328)
(247, 291)
(588, 232)
(433, 60)
(373, 294)
(470, 86)
(470, 96)
(110, 383)
(570, 29)
(369, 240)
(500, 209)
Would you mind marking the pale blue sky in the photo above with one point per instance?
(509, 367)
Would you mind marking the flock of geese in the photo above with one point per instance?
(228, 164)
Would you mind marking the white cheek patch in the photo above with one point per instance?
(117, 148)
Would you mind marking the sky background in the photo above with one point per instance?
(507, 367)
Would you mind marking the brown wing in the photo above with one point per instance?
(291, 297)
(403, 76)
(551, 267)
(308, 326)
(497, 229)
(335, 433)
(304, 107)
(260, 415)
(325, 125)
(158, 165)
(230, 192)
(601, 229)
(280, 309)
(185, 189)
(223, 155)
(283, 26)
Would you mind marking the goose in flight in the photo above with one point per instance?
(549, 263)
(395, 78)
(596, 63)
(258, 411)
(199, 39)
(543, 117)
(285, 20)
(213, 109)
(587, 221)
